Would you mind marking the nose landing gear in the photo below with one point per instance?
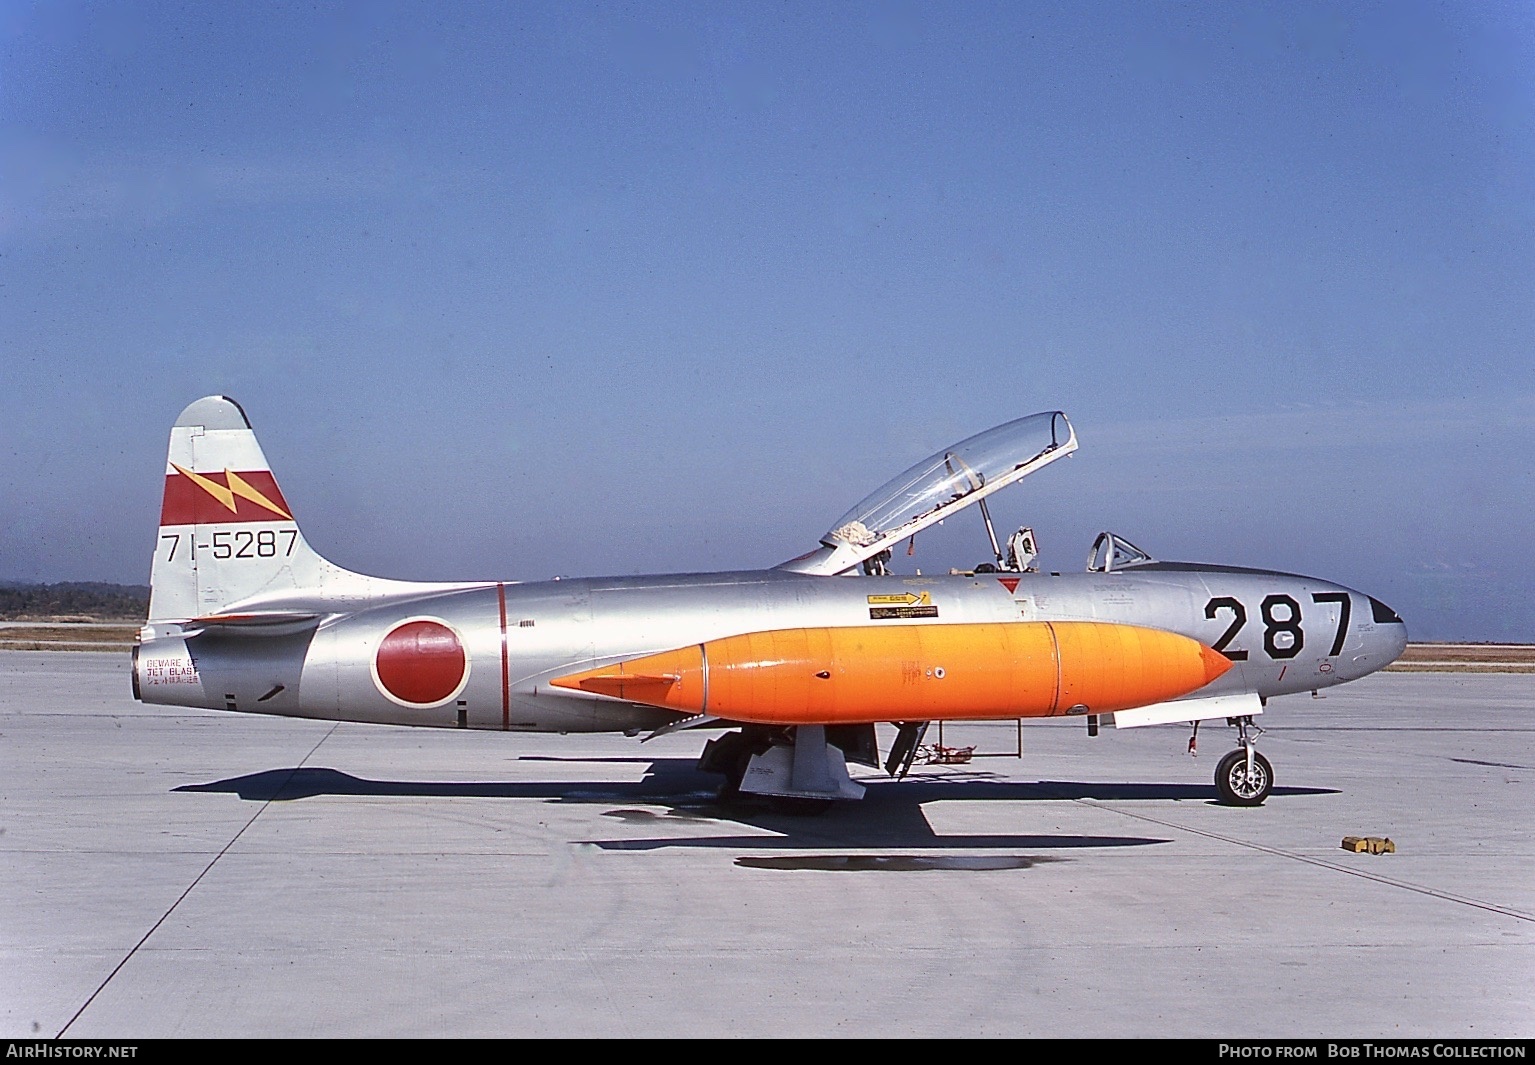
(1244, 777)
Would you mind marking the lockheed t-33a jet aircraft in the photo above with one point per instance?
(796, 665)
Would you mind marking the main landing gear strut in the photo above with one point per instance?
(796, 769)
(803, 769)
(1244, 777)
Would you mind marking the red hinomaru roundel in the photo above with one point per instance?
(421, 662)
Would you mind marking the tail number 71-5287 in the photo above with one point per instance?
(238, 543)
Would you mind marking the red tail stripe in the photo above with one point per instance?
(185, 503)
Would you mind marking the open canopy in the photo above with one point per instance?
(938, 487)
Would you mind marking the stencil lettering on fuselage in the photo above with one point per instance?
(902, 605)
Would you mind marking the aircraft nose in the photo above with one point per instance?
(1389, 638)
(1396, 643)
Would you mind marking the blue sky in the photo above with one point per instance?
(516, 290)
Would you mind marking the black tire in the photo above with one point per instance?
(740, 760)
(1233, 785)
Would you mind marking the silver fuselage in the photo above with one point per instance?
(1284, 633)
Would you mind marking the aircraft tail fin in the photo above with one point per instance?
(226, 533)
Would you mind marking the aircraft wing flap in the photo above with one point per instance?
(1245, 704)
(694, 721)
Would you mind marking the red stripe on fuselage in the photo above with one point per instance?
(506, 676)
(187, 503)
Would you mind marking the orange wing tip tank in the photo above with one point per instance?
(866, 674)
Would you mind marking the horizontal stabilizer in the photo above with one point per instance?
(264, 623)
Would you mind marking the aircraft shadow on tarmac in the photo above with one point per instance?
(890, 815)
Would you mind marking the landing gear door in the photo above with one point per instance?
(939, 487)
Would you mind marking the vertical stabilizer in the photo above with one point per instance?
(226, 533)
(228, 538)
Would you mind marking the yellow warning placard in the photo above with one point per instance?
(904, 599)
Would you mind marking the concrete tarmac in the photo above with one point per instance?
(171, 873)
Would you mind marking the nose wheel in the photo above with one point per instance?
(1244, 777)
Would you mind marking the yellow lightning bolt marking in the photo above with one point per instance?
(238, 486)
(242, 488)
(213, 488)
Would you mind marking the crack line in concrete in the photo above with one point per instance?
(198, 879)
(1420, 889)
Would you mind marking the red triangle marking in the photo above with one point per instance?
(1010, 583)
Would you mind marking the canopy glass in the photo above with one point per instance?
(941, 484)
